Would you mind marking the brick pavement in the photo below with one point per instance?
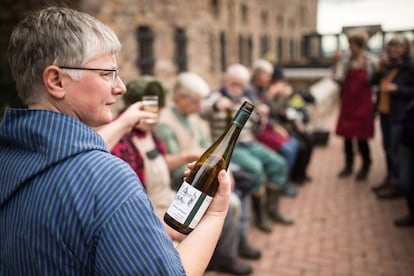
(341, 229)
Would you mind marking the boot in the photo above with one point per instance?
(273, 199)
(365, 153)
(347, 171)
(349, 159)
(383, 185)
(233, 267)
(363, 172)
(247, 251)
(259, 206)
(407, 220)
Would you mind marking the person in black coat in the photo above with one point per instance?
(395, 79)
(406, 164)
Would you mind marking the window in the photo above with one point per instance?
(212, 43)
(223, 57)
(245, 50)
(280, 21)
(244, 13)
(264, 18)
(303, 15)
(181, 49)
(242, 50)
(264, 45)
(249, 51)
(145, 61)
(280, 49)
(215, 8)
(292, 49)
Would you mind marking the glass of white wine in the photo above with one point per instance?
(150, 104)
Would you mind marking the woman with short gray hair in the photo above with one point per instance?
(67, 206)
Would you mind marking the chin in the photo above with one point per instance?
(104, 121)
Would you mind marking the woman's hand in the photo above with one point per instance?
(134, 114)
(220, 202)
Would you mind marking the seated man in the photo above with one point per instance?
(268, 169)
(184, 134)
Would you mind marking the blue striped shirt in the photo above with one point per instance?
(69, 207)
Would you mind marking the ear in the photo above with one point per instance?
(52, 79)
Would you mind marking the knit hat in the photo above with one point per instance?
(144, 86)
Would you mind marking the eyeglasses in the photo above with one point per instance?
(114, 72)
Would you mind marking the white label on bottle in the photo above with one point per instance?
(189, 205)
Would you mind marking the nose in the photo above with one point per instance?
(119, 88)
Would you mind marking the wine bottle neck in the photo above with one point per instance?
(240, 118)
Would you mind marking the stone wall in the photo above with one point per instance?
(204, 21)
(283, 22)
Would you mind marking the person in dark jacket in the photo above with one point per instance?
(395, 78)
(406, 164)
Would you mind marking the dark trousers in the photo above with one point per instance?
(304, 154)
(363, 149)
(406, 170)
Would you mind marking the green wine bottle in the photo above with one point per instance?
(198, 189)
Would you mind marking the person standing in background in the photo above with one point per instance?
(356, 115)
(406, 165)
(394, 76)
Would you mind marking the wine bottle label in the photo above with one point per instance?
(189, 205)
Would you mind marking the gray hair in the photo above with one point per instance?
(238, 70)
(403, 41)
(55, 36)
(190, 84)
(262, 65)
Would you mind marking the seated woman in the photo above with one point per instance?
(144, 152)
(287, 112)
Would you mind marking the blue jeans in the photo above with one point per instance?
(289, 151)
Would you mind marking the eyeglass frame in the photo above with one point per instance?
(115, 72)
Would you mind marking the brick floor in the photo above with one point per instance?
(341, 229)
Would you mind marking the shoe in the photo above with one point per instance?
(404, 221)
(260, 210)
(363, 172)
(361, 175)
(235, 268)
(381, 186)
(298, 180)
(347, 171)
(247, 251)
(307, 178)
(279, 218)
(301, 180)
(273, 206)
(391, 192)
